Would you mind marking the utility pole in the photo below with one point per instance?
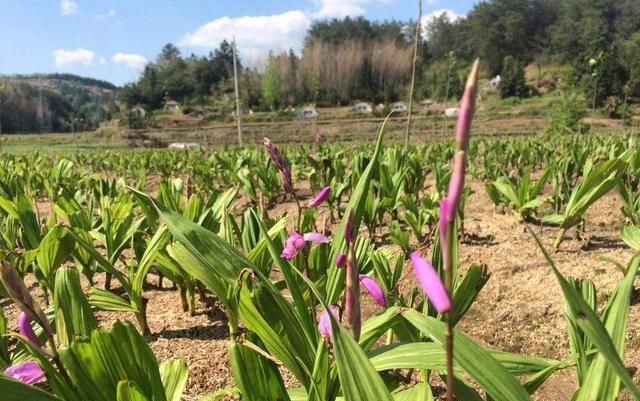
(1, 92)
(235, 81)
(413, 75)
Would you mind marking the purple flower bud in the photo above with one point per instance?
(324, 322)
(374, 289)
(28, 372)
(320, 197)
(465, 111)
(431, 284)
(463, 132)
(341, 260)
(25, 329)
(281, 163)
(512, 173)
(349, 235)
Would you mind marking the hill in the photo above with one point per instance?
(54, 103)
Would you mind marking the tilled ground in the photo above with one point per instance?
(520, 309)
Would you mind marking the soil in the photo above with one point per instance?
(519, 310)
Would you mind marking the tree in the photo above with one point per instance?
(512, 81)
(271, 84)
(168, 55)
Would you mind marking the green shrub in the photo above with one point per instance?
(567, 114)
(512, 81)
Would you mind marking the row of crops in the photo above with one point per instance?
(290, 282)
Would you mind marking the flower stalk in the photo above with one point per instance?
(450, 209)
(352, 286)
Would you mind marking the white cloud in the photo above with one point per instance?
(78, 56)
(130, 60)
(103, 60)
(255, 36)
(68, 7)
(428, 19)
(340, 8)
(112, 13)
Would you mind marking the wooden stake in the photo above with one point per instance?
(413, 75)
(235, 82)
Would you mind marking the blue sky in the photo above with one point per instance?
(113, 39)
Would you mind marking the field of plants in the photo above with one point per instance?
(471, 269)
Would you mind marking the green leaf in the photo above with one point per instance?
(591, 325)
(601, 382)
(107, 300)
(476, 361)
(256, 376)
(216, 255)
(631, 236)
(358, 377)
(54, 249)
(74, 316)
(600, 180)
(98, 365)
(13, 390)
(174, 375)
(422, 355)
(129, 391)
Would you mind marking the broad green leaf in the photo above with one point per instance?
(358, 377)
(477, 362)
(174, 375)
(601, 382)
(129, 391)
(13, 390)
(256, 376)
(588, 321)
(97, 365)
(631, 236)
(73, 315)
(54, 249)
(107, 300)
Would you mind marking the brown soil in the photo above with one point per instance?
(519, 310)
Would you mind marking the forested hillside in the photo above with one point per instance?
(54, 103)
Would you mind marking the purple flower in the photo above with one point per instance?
(341, 260)
(374, 289)
(512, 173)
(317, 138)
(292, 245)
(324, 323)
(316, 238)
(431, 284)
(320, 197)
(25, 329)
(296, 242)
(28, 372)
